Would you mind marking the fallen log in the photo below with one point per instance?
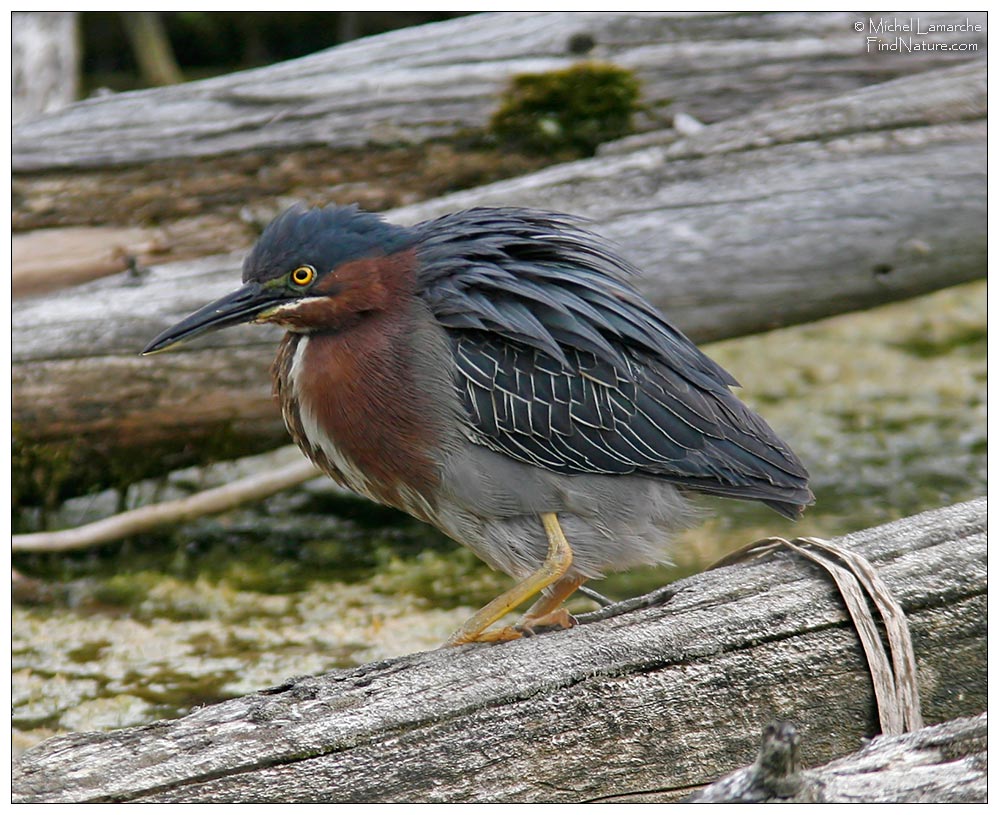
(190, 165)
(435, 81)
(734, 237)
(646, 705)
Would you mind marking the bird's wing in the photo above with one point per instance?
(592, 417)
(561, 364)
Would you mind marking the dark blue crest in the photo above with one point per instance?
(324, 238)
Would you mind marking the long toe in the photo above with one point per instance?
(557, 620)
(504, 634)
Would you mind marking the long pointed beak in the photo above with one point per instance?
(239, 307)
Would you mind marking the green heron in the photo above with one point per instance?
(493, 373)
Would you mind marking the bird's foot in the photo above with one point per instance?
(505, 634)
(557, 620)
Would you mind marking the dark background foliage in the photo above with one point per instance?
(205, 43)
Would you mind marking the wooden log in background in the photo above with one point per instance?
(643, 706)
(749, 224)
(355, 123)
(430, 82)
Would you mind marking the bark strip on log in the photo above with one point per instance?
(651, 703)
(733, 240)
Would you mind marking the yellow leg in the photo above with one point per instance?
(556, 564)
(546, 612)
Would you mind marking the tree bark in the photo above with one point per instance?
(647, 705)
(45, 62)
(746, 225)
(199, 159)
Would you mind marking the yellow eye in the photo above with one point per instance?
(303, 275)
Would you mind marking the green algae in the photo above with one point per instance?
(573, 110)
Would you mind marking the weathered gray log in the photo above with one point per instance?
(647, 705)
(209, 152)
(945, 763)
(434, 81)
(734, 237)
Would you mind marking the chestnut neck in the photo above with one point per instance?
(356, 399)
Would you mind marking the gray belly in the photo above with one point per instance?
(491, 504)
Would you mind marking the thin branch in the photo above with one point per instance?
(136, 521)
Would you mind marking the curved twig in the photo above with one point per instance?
(135, 521)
